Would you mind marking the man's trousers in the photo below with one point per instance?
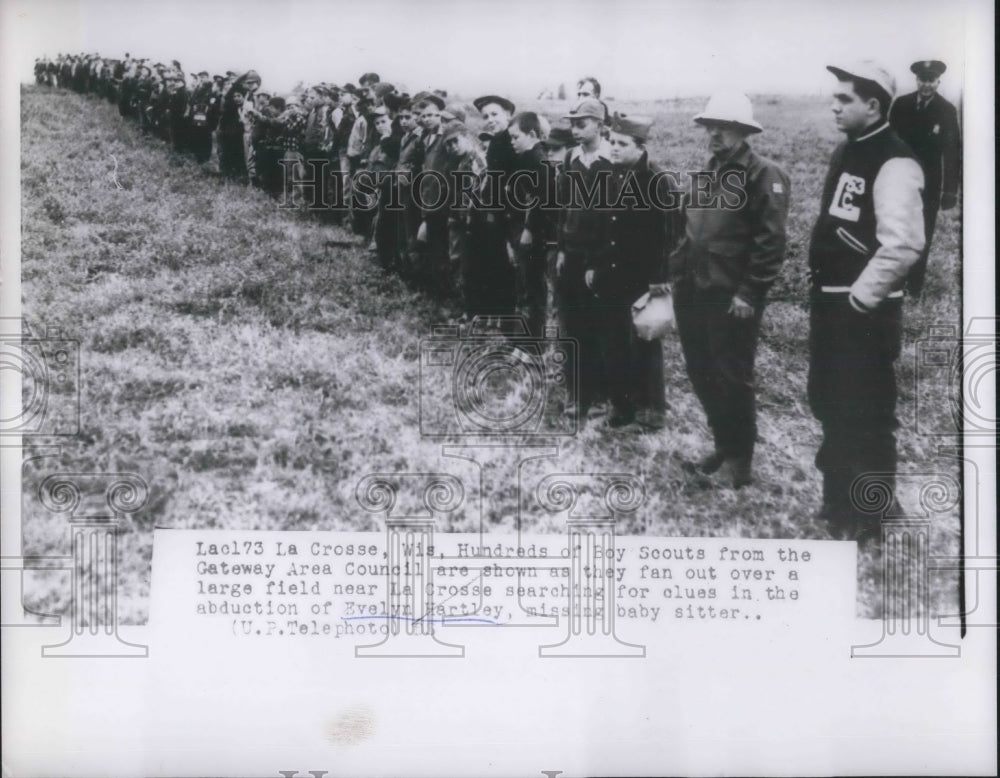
(852, 392)
(719, 351)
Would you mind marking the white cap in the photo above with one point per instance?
(867, 70)
(730, 108)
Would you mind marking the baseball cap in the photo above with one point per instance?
(866, 70)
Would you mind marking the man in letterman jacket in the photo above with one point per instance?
(869, 233)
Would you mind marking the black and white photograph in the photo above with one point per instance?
(340, 339)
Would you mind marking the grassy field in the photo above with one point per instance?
(253, 365)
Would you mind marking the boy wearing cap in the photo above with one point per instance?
(578, 238)
(929, 125)
(869, 233)
(728, 258)
(431, 196)
(411, 153)
(532, 226)
(495, 226)
(638, 231)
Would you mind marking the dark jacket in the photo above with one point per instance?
(637, 235)
(933, 134)
(734, 234)
(435, 158)
(533, 179)
(580, 225)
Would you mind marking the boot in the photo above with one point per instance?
(737, 471)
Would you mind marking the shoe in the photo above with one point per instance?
(620, 417)
(708, 464)
(653, 420)
(736, 472)
(597, 410)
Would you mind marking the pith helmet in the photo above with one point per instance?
(729, 108)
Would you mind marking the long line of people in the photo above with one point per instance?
(325, 148)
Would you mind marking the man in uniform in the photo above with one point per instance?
(727, 260)
(868, 236)
(929, 125)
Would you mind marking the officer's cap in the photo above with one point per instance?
(928, 69)
(383, 88)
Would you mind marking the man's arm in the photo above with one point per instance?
(899, 219)
(769, 206)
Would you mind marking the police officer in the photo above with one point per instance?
(869, 233)
(731, 252)
(929, 125)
